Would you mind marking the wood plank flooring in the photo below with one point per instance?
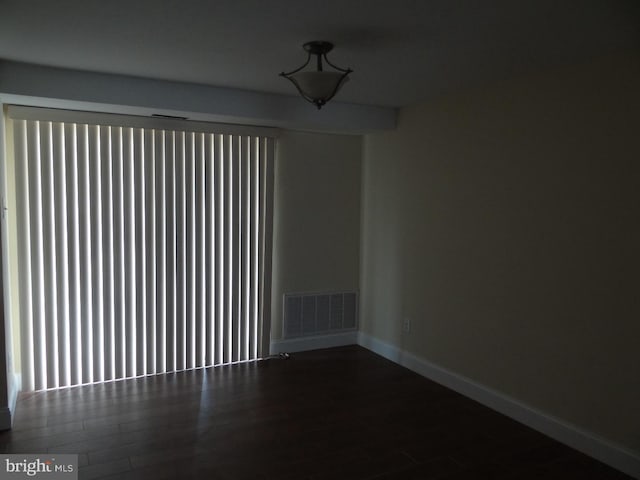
(341, 413)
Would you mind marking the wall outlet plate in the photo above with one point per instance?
(406, 325)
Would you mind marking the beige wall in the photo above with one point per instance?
(316, 216)
(505, 223)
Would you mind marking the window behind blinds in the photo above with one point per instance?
(142, 250)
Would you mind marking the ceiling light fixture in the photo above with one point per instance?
(318, 86)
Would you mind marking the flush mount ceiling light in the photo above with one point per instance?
(318, 86)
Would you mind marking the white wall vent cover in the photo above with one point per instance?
(307, 314)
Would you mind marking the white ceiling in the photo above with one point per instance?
(402, 51)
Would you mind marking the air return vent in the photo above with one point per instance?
(307, 314)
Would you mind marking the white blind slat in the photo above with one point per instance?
(37, 276)
(119, 252)
(97, 278)
(181, 251)
(49, 254)
(236, 245)
(200, 335)
(211, 184)
(170, 193)
(61, 270)
(255, 224)
(84, 193)
(106, 159)
(191, 288)
(221, 241)
(228, 334)
(245, 253)
(24, 252)
(130, 250)
(161, 253)
(139, 186)
(150, 248)
(266, 208)
(73, 236)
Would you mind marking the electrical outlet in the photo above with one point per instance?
(406, 325)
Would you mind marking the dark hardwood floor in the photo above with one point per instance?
(342, 413)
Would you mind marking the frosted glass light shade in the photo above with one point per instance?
(319, 86)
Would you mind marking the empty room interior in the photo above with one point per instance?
(303, 240)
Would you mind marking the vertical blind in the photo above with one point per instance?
(141, 250)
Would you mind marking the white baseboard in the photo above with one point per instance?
(314, 343)
(571, 435)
